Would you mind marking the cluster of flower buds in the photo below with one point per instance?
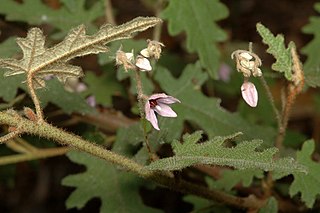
(248, 63)
(156, 104)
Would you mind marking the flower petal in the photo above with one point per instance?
(249, 94)
(157, 95)
(164, 110)
(163, 98)
(168, 100)
(143, 64)
(151, 116)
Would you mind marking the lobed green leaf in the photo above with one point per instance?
(307, 184)
(117, 190)
(213, 152)
(197, 19)
(312, 64)
(278, 50)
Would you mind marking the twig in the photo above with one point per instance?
(41, 153)
(34, 97)
(9, 136)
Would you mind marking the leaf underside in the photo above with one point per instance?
(39, 61)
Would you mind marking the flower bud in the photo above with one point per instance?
(249, 93)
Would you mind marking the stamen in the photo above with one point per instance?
(153, 103)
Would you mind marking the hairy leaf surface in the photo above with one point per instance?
(278, 50)
(197, 19)
(117, 190)
(213, 152)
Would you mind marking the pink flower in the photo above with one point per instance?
(158, 103)
(249, 93)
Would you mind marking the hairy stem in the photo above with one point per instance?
(50, 132)
(271, 100)
(34, 97)
(141, 102)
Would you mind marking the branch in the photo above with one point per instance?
(50, 132)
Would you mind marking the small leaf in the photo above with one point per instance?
(307, 184)
(278, 50)
(197, 19)
(212, 152)
(117, 190)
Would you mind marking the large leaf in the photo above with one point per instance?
(39, 61)
(117, 190)
(278, 50)
(213, 152)
(311, 66)
(197, 19)
(204, 111)
(70, 14)
(307, 184)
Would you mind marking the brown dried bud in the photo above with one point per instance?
(153, 50)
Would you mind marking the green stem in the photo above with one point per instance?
(41, 153)
(271, 100)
